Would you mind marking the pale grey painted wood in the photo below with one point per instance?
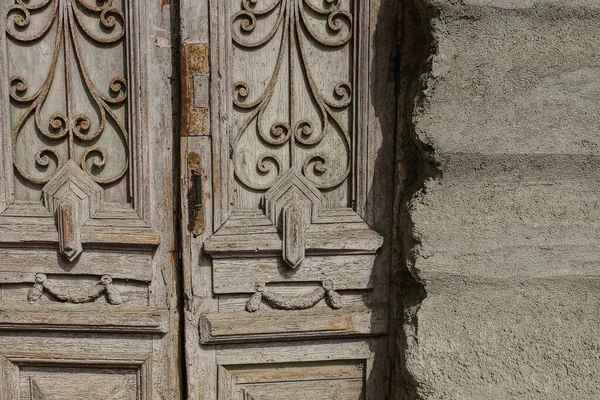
(273, 325)
(263, 101)
(315, 380)
(240, 275)
(50, 317)
(118, 76)
(295, 352)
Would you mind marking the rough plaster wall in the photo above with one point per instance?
(506, 227)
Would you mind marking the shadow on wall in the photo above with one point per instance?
(380, 207)
(401, 57)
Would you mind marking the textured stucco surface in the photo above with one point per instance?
(507, 232)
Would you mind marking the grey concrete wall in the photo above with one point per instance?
(506, 225)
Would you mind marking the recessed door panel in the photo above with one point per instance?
(86, 201)
(285, 239)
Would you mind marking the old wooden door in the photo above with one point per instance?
(87, 256)
(270, 184)
(287, 181)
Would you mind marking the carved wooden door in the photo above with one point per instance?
(287, 181)
(87, 261)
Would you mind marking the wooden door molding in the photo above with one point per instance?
(55, 373)
(87, 200)
(286, 259)
(294, 130)
(77, 137)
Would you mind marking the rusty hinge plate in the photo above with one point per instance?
(201, 90)
(195, 89)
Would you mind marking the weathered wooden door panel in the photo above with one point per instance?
(286, 277)
(40, 383)
(284, 259)
(86, 201)
(337, 380)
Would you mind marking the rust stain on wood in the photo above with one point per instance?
(164, 3)
(194, 60)
(196, 214)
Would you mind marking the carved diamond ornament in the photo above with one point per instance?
(292, 204)
(72, 197)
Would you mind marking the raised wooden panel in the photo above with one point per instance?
(74, 133)
(292, 77)
(302, 381)
(75, 366)
(70, 383)
(62, 106)
(88, 298)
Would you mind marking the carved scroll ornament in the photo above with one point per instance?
(303, 302)
(302, 135)
(67, 132)
(75, 294)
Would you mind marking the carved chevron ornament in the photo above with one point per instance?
(72, 197)
(292, 204)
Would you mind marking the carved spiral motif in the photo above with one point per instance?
(302, 26)
(72, 21)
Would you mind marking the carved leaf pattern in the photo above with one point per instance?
(302, 28)
(69, 22)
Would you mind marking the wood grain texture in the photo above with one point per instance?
(290, 95)
(42, 383)
(273, 325)
(249, 234)
(50, 317)
(299, 351)
(240, 275)
(334, 380)
(26, 352)
(84, 85)
(21, 264)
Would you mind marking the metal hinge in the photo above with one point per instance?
(195, 89)
(201, 90)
